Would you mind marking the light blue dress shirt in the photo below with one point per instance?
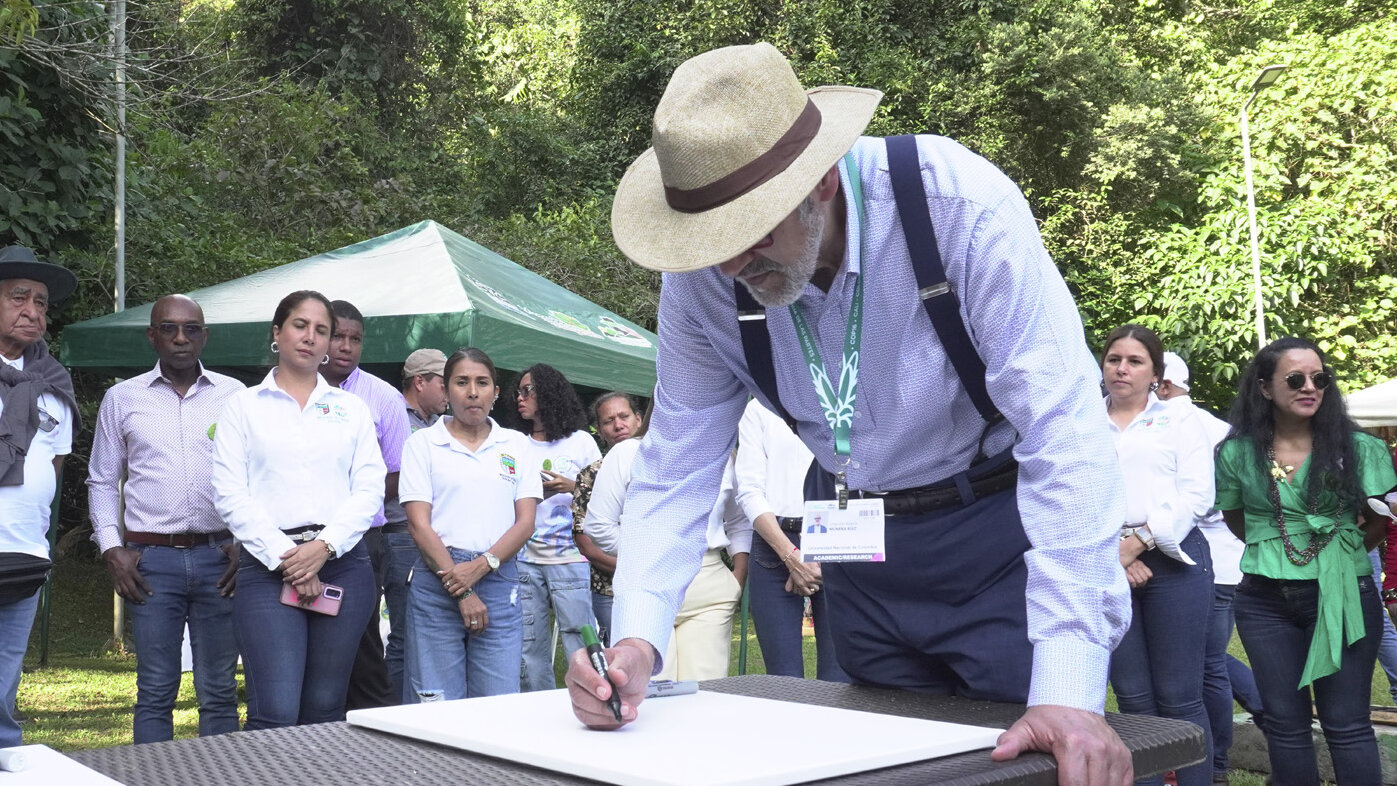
(913, 424)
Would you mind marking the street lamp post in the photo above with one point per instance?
(1265, 79)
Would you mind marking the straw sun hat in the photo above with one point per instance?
(738, 144)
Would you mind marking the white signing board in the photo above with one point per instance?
(703, 739)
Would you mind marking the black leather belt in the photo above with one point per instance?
(925, 499)
(303, 534)
(790, 523)
(393, 527)
(179, 540)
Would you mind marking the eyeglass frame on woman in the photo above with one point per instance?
(1295, 380)
(525, 391)
(191, 330)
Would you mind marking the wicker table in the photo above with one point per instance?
(340, 754)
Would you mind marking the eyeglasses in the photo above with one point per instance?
(191, 330)
(1295, 380)
(526, 391)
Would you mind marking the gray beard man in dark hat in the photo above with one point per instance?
(955, 420)
(38, 418)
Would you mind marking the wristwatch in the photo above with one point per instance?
(1143, 533)
(328, 548)
(491, 560)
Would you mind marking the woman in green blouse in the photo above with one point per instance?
(1292, 481)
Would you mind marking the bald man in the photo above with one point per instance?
(178, 562)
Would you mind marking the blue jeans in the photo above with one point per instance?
(601, 609)
(402, 555)
(297, 662)
(450, 662)
(185, 585)
(566, 589)
(778, 616)
(1276, 620)
(1157, 669)
(15, 621)
(1225, 678)
(1387, 651)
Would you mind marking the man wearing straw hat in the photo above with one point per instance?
(892, 299)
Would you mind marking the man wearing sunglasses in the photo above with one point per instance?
(177, 563)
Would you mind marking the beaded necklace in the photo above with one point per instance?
(1297, 557)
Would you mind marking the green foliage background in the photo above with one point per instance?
(511, 121)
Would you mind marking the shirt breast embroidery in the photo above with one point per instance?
(325, 411)
(1158, 421)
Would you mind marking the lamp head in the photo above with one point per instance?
(1267, 77)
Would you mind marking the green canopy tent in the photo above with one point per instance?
(421, 286)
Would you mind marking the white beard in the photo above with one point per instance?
(797, 274)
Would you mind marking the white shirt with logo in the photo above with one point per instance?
(472, 492)
(277, 466)
(552, 541)
(1166, 460)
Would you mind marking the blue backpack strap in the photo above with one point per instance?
(756, 348)
(941, 303)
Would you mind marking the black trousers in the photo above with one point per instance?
(369, 685)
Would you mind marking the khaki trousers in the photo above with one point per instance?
(701, 645)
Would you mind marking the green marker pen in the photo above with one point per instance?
(598, 658)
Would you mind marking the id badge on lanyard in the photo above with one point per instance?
(840, 530)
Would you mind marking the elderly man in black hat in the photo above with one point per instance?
(38, 418)
(892, 300)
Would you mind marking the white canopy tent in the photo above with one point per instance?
(1375, 407)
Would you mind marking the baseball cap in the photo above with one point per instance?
(425, 361)
(1176, 371)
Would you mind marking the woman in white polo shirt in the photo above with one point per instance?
(298, 477)
(470, 488)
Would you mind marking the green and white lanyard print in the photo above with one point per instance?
(838, 405)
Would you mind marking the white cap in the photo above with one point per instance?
(1176, 371)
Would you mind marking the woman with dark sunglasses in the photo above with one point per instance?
(1293, 476)
(1165, 458)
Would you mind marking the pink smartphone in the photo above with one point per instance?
(327, 603)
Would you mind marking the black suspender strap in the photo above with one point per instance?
(941, 303)
(756, 348)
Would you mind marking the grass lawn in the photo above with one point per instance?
(83, 698)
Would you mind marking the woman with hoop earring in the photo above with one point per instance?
(298, 477)
(1293, 476)
(1166, 464)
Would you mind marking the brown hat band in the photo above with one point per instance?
(755, 172)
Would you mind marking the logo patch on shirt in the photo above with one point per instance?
(507, 465)
(340, 411)
(321, 407)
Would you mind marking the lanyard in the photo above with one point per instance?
(838, 405)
